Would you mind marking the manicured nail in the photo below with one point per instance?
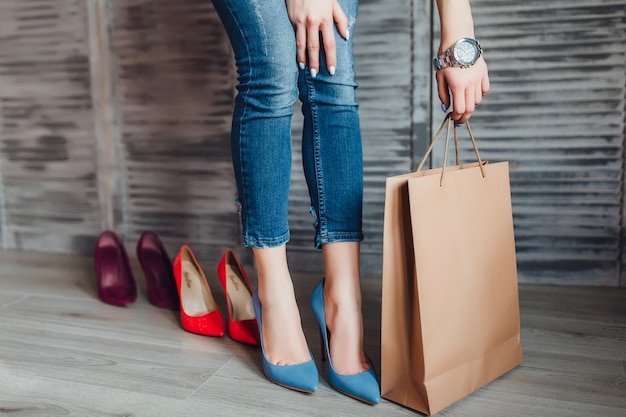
(444, 108)
(347, 34)
(301, 65)
(331, 70)
(313, 72)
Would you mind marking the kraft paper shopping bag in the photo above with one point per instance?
(450, 308)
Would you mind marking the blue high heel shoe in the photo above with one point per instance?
(362, 386)
(300, 377)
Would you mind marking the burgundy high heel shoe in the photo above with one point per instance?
(158, 270)
(198, 311)
(242, 325)
(114, 277)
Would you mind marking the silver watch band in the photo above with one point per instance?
(444, 60)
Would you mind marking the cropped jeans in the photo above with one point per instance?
(269, 83)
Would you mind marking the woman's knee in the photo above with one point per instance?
(271, 80)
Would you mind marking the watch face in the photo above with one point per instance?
(466, 52)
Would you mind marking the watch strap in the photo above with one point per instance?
(444, 60)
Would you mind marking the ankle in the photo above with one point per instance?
(273, 276)
(343, 293)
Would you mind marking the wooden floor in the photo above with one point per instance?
(64, 353)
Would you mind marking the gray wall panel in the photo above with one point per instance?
(116, 114)
(556, 112)
(174, 82)
(50, 200)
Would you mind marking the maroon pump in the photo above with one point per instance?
(158, 271)
(114, 278)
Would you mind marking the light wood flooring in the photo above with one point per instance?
(65, 353)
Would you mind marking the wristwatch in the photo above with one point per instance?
(464, 53)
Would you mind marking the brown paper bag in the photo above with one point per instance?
(450, 308)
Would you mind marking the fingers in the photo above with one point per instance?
(467, 87)
(443, 91)
(330, 49)
(485, 84)
(313, 47)
(314, 23)
(301, 43)
(325, 29)
(341, 20)
(464, 104)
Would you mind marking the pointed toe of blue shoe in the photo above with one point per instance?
(301, 377)
(362, 386)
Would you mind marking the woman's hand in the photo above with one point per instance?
(467, 85)
(312, 20)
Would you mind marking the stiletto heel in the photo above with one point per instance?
(322, 347)
(242, 325)
(198, 310)
(300, 377)
(362, 386)
(158, 270)
(114, 277)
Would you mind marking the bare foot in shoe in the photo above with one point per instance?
(345, 325)
(342, 307)
(283, 339)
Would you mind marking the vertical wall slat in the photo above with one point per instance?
(174, 79)
(110, 161)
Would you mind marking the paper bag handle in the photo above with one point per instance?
(448, 120)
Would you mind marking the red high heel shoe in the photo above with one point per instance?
(198, 311)
(114, 277)
(242, 325)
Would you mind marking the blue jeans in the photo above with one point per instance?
(269, 83)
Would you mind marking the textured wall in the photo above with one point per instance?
(174, 88)
(48, 180)
(556, 112)
(116, 114)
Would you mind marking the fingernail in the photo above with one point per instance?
(301, 65)
(331, 70)
(444, 108)
(347, 34)
(313, 72)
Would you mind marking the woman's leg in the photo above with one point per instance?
(342, 307)
(283, 338)
(333, 165)
(263, 41)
